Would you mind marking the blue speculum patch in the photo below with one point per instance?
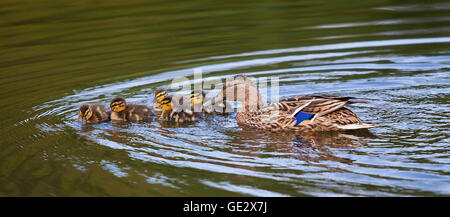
(301, 116)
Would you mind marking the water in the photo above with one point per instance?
(56, 56)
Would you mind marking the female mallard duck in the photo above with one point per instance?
(299, 113)
(177, 109)
(93, 113)
(121, 111)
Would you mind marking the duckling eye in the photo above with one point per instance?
(115, 104)
(88, 114)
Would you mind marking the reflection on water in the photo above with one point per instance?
(56, 58)
(383, 22)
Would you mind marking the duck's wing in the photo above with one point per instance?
(345, 119)
(305, 113)
(321, 96)
(329, 112)
(297, 111)
(316, 104)
(311, 107)
(320, 107)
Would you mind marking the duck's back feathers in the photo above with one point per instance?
(349, 100)
(317, 104)
(345, 119)
(306, 113)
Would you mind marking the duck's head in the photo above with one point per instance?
(166, 103)
(160, 94)
(197, 97)
(118, 104)
(85, 113)
(241, 88)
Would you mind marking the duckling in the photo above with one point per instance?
(93, 113)
(121, 111)
(160, 94)
(177, 109)
(299, 113)
(201, 103)
(196, 99)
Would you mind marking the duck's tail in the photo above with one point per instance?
(357, 126)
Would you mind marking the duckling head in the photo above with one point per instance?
(118, 104)
(85, 113)
(160, 94)
(166, 103)
(197, 97)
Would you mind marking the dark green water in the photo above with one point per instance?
(55, 56)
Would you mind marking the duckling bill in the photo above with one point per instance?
(123, 111)
(92, 113)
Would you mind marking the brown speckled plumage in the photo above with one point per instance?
(329, 111)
